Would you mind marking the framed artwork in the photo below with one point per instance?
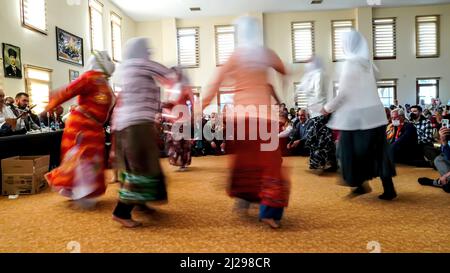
(73, 75)
(12, 61)
(69, 47)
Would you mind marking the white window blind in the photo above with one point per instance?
(225, 43)
(384, 38)
(34, 15)
(38, 85)
(96, 24)
(387, 90)
(427, 36)
(116, 37)
(301, 99)
(302, 41)
(338, 30)
(188, 47)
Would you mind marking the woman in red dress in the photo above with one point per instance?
(81, 173)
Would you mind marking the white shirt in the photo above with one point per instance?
(6, 113)
(312, 85)
(358, 106)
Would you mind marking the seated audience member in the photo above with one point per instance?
(296, 120)
(214, 125)
(9, 101)
(6, 117)
(442, 163)
(424, 137)
(161, 140)
(402, 137)
(292, 114)
(296, 145)
(26, 119)
(285, 130)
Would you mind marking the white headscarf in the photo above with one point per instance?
(314, 64)
(355, 45)
(100, 61)
(249, 41)
(249, 32)
(137, 48)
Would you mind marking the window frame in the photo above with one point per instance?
(438, 79)
(28, 81)
(31, 27)
(197, 47)
(438, 37)
(91, 29)
(113, 49)
(313, 40)
(394, 86)
(224, 92)
(216, 40)
(333, 51)
(375, 57)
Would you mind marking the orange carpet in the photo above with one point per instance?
(199, 218)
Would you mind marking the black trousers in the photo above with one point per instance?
(123, 210)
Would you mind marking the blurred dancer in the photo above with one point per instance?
(256, 175)
(181, 95)
(134, 132)
(80, 175)
(319, 137)
(361, 119)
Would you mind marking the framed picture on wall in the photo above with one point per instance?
(69, 47)
(12, 61)
(73, 75)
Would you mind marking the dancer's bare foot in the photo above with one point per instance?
(128, 223)
(271, 222)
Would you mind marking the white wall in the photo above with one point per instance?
(406, 68)
(40, 50)
(277, 36)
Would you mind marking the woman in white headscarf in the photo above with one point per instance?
(80, 175)
(256, 175)
(360, 116)
(319, 138)
(136, 152)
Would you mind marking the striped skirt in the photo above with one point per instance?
(137, 160)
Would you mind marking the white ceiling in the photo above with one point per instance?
(145, 10)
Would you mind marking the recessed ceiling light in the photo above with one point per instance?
(195, 9)
(316, 2)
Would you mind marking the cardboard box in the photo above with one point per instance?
(24, 174)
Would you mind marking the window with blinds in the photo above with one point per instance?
(387, 90)
(384, 38)
(116, 37)
(302, 41)
(427, 36)
(38, 86)
(301, 100)
(427, 89)
(96, 24)
(34, 15)
(338, 29)
(188, 47)
(225, 43)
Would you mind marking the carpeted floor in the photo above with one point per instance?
(199, 218)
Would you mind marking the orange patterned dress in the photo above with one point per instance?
(81, 173)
